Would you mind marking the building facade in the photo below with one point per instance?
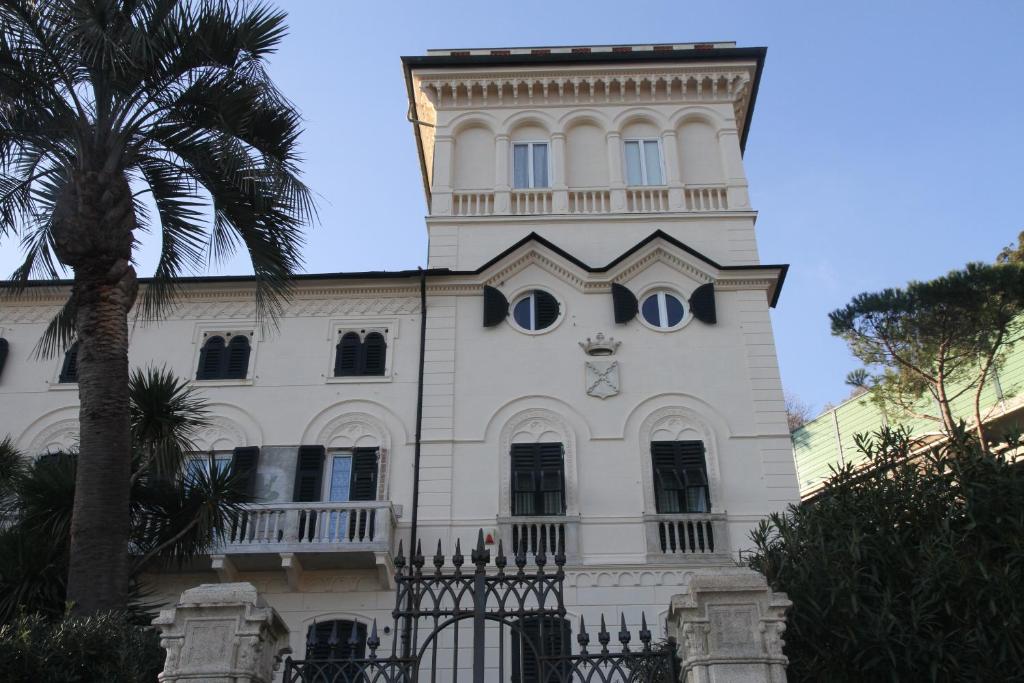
(598, 365)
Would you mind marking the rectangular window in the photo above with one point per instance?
(680, 477)
(643, 162)
(529, 165)
(199, 465)
(536, 638)
(538, 479)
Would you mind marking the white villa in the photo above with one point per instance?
(596, 366)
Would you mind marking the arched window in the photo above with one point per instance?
(336, 639)
(211, 358)
(224, 360)
(69, 369)
(534, 638)
(238, 358)
(357, 356)
(374, 350)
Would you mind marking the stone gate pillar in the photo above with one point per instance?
(221, 633)
(729, 627)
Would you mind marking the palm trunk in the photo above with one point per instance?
(92, 228)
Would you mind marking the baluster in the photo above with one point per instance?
(700, 535)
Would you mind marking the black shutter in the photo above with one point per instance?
(211, 359)
(528, 644)
(346, 356)
(244, 460)
(545, 309)
(69, 369)
(309, 472)
(623, 303)
(538, 479)
(238, 358)
(364, 474)
(669, 461)
(495, 306)
(702, 303)
(4, 346)
(374, 354)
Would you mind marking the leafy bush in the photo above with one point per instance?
(106, 647)
(912, 571)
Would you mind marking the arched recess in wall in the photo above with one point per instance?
(359, 424)
(54, 432)
(700, 157)
(229, 427)
(537, 425)
(678, 423)
(586, 154)
(473, 158)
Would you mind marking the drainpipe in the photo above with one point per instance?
(414, 530)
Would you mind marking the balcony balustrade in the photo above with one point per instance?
(706, 198)
(531, 202)
(687, 537)
(297, 536)
(530, 535)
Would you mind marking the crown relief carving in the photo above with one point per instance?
(600, 346)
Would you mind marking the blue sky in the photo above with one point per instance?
(886, 144)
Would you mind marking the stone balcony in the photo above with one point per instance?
(533, 534)
(697, 538)
(295, 537)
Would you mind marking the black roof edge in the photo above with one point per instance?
(657, 234)
(690, 55)
(440, 272)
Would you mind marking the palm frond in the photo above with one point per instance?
(165, 413)
(60, 332)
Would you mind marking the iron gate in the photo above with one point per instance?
(512, 627)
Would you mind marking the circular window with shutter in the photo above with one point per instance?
(536, 311)
(663, 310)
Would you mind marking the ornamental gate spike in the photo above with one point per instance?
(399, 558)
(645, 633)
(624, 636)
(438, 559)
(583, 638)
(501, 561)
(604, 637)
(457, 558)
(353, 640)
(373, 642)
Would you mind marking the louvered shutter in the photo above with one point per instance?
(624, 303)
(680, 476)
(495, 306)
(529, 643)
(702, 303)
(211, 359)
(374, 353)
(346, 355)
(538, 479)
(244, 461)
(69, 369)
(545, 309)
(4, 346)
(309, 472)
(364, 474)
(238, 358)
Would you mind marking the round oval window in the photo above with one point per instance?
(663, 310)
(535, 311)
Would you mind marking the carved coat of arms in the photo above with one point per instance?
(602, 378)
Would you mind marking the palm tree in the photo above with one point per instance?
(120, 116)
(177, 513)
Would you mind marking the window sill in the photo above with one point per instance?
(358, 379)
(221, 382)
(63, 386)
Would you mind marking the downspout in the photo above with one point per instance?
(414, 526)
(419, 418)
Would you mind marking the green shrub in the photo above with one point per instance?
(106, 647)
(913, 571)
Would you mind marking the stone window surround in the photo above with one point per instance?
(339, 326)
(235, 327)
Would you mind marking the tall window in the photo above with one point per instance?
(359, 356)
(680, 477)
(536, 637)
(69, 368)
(529, 164)
(336, 639)
(224, 357)
(643, 162)
(538, 479)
